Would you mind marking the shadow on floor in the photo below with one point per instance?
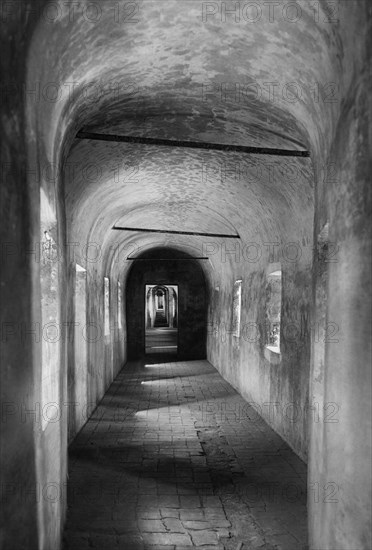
(189, 463)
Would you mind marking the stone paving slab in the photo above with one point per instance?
(173, 458)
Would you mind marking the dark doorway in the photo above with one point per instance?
(161, 312)
(160, 281)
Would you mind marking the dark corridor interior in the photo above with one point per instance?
(172, 318)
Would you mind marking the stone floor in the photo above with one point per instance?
(174, 458)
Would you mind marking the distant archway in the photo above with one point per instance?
(166, 290)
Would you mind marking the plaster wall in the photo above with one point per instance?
(276, 384)
(340, 450)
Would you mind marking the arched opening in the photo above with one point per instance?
(166, 306)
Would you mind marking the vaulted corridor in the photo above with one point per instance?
(172, 458)
(186, 183)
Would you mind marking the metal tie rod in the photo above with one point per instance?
(194, 144)
(237, 236)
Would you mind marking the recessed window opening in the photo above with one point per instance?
(320, 336)
(120, 298)
(50, 312)
(107, 306)
(161, 319)
(237, 306)
(273, 309)
(78, 383)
